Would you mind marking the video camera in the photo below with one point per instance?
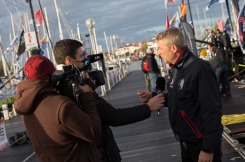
(67, 81)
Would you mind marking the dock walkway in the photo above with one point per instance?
(150, 140)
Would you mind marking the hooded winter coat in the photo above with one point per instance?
(59, 130)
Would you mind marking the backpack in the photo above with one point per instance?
(145, 65)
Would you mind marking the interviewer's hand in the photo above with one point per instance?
(145, 96)
(156, 102)
(86, 88)
(205, 157)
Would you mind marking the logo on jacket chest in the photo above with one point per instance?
(181, 84)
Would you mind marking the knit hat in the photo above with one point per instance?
(38, 67)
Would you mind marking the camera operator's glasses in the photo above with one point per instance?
(85, 53)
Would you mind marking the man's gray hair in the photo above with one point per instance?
(173, 36)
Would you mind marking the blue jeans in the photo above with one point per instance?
(222, 77)
(153, 78)
(147, 82)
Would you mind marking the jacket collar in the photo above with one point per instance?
(184, 55)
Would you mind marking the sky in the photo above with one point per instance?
(132, 20)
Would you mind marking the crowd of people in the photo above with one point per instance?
(63, 129)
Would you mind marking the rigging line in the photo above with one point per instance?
(22, 8)
(62, 4)
(68, 28)
(9, 12)
(16, 9)
(25, 5)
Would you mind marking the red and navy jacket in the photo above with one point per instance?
(194, 102)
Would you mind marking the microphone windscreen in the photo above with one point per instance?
(160, 84)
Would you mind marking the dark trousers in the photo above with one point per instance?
(190, 152)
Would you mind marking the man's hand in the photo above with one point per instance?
(156, 102)
(205, 157)
(86, 88)
(145, 96)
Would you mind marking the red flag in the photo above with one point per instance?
(39, 16)
(220, 25)
(167, 22)
(166, 2)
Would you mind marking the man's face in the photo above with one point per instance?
(211, 48)
(167, 52)
(79, 57)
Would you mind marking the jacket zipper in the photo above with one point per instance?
(190, 124)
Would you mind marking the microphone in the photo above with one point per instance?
(160, 87)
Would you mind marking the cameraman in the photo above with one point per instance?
(70, 52)
(59, 130)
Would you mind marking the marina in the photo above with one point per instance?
(33, 28)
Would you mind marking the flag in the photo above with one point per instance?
(183, 11)
(167, 21)
(39, 17)
(211, 2)
(188, 33)
(228, 27)
(166, 2)
(22, 44)
(3, 136)
(44, 42)
(220, 25)
(13, 43)
(241, 27)
(174, 22)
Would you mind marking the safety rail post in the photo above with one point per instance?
(108, 80)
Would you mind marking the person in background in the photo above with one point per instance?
(213, 37)
(220, 66)
(193, 100)
(226, 41)
(154, 71)
(70, 52)
(218, 35)
(145, 69)
(59, 130)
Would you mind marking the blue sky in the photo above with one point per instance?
(132, 20)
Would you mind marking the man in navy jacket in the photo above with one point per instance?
(193, 100)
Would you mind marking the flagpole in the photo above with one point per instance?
(78, 32)
(4, 61)
(189, 6)
(199, 19)
(205, 17)
(222, 8)
(58, 17)
(107, 45)
(112, 50)
(46, 23)
(34, 23)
